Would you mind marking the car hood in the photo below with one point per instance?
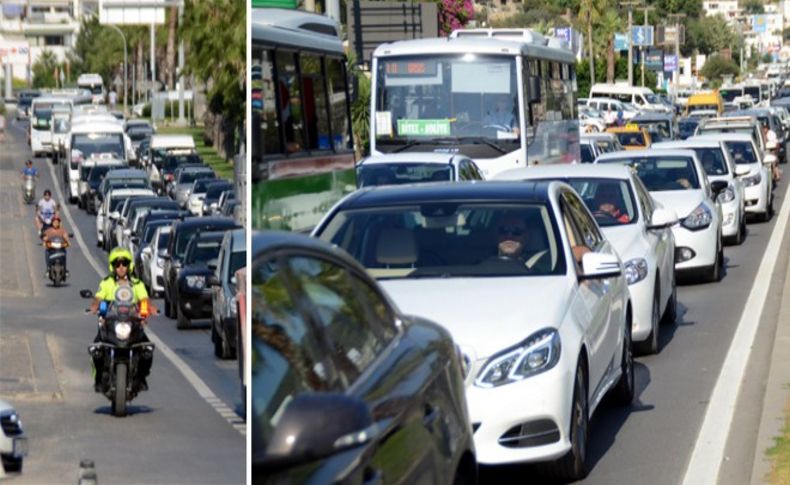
(485, 315)
(628, 240)
(680, 201)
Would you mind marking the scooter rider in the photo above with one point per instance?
(46, 209)
(121, 264)
(29, 170)
(54, 231)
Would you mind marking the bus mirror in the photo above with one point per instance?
(534, 89)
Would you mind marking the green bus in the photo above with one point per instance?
(302, 153)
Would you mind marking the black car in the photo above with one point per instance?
(345, 388)
(95, 177)
(213, 193)
(200, 262)
(170, 163)
(687, 127)
(179, 239)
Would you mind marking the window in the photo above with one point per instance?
(53, 40)
(289, 92)
(316, 110)
(338, 102)
(262, 102)
(588, 230)
(355, 323)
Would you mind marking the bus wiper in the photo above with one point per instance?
(479, 140)
(406, 146)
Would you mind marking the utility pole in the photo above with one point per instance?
(676, 73)
(125, 63)
(630, 6)
(181, 120)
(642, 48)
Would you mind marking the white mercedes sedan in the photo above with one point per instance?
(530, 289)
(638, 228)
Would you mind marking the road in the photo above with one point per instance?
(186, 429)
(652, 441)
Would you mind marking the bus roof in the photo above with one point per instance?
(51, 100)
(473, 45)
(96, 127)
(284, 27)
(172, 141)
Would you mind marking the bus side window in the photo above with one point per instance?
(264, 109)
(316, 107)
(289, 90)
(338, 100)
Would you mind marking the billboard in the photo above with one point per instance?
(654, 60)
(131, 12)
(759, 24)
(15, 52)
(670, 63)
(620, 42)
(642, 36)
(564, 33)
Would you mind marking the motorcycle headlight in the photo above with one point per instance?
(752, 180)
(123, 330)
(538, 353)
(197, 282)
(635, 270)
(727, 196)
(700, 218)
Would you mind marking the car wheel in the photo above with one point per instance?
(168, 308)
(650, 345)
(671, 312)
(216, 340)
(182, 322)
(573, 466)
(714, 272)
(623, 391)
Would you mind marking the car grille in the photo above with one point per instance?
(533, 433)
(10, 428)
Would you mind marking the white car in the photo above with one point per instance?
(676, 179)
(591, 145)
(13, 442)
(588, 123)
(605, 105)
(153, 264)
(410, 168)
(758, 185)
(639, 231)
(719, 165)
(108, 212)
(539, 304)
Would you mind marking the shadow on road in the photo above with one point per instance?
(130, 410)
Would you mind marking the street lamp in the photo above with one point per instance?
(125, 57)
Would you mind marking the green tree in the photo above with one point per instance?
(216, 35)
(709, 35)
(44, 70)
(786, 34)
(751, 7)
(716, 66)
(610, 23)
(590, 12)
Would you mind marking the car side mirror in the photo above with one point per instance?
(314, 426)
(600, 266)
(146, 250)
(163, 254)
(212, 281)
(115, 215)
(717, 187)
(662, 218)
(741, 170)
(127, 232)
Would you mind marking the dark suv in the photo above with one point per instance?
(345, 388)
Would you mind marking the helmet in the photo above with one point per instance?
(120, 253)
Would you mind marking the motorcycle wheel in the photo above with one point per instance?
(119, 398)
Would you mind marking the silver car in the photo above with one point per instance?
(224, 317)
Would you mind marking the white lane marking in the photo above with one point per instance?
(708, 451)
(197, 383)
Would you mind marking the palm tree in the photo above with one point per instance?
(590, 13)
(610, 24)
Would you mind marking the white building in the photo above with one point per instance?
(728, 8)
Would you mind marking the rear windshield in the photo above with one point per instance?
(587, 154)
(742, 151)
(402, 173)
(663, 173)
(203, 251)
(189, 177)
(712, 160)
(631, 139)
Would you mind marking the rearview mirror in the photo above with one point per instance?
(717, 187)
(314, 426)
(146, 250)
(662, 218)
(600, 266)
(741, 170)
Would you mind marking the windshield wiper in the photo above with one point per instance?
(450, 140)
(481, 141)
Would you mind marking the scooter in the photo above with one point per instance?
(29, 189)
(56, 260)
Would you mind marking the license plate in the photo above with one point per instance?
(20, 447)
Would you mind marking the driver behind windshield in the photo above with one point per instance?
(502, 116)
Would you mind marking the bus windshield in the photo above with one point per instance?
(753, 91)
(42, 116)
(98, 143)
(730, 94)
(441, 96)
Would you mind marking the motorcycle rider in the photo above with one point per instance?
(29, 170)
(121, 264)
(54, 231)
(46, 209)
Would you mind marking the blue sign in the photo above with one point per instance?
(620, 42)
(642, 36)
(563, 33)
(670, 63)
(654, 60)
(759, 24)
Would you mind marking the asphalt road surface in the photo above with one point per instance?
(186, 429)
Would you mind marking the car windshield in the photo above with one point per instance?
(173, 161)
(201, 185)
(753, 91)
(150, 230)
(202, 251)
(610, 201)
(186, 233)
(140, 134)
(440, 240)
(701, 107)
(659, 130)
(61, 125)
(587, 153)
(238, 260)
(632, 139)
(216, 190)
(164, 239)
(663, 173)
(93, 144)
(116, 203)
(653, 99)
(189, 177)
(742, 151)
(402, 173)
(712, 159)
(98, 172)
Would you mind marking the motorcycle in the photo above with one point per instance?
(56, 260)
(29, 189)
(121, 347)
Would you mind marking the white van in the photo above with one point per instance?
(161, 146)
(95, 84)
(89, 141)
(643, 98)
(40, 119)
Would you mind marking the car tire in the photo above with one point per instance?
(216, 340)
(168, 308)
(713, 273)
(650, 345)
(182, 322)
(623, 392)
(671, 311)
(573, 466)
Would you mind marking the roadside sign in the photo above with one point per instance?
(620, 42)
(131, 12)
(654, 60)
(759, 24)
(563, 33)
(15, 52)
(670, 63)
(642, 36)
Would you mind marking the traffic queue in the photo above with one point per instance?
(518, 285)
(159, 209)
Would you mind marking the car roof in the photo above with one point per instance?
(462, 191)
(275, 240)
(599, 136)
(412, 157)
(724, 137)
(687, 143)
(238, 240)
(566, 171)
(203, 221)
(127, 173)
(649, 153)
(121, 192)
(646, 116)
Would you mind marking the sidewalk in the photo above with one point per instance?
(777, 393)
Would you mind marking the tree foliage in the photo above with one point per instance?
(716, 67)
(455, 14)
(709, 35)
(44, 70)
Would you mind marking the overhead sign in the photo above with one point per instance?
(654, 60)
(563, 33)
(759, 24)
(670, 63)
(132, 12)
(620, 42)
(15, 52)
(642, 36)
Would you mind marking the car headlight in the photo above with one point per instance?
(635, 270)
(538, 353)
(160, 262)
(234, 308)
(197, 282)
(700, 218)
(752, 180)
(727, 196)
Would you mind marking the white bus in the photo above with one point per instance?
(40, 119)
(91, 137)
(504, 97)
(93, 83)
